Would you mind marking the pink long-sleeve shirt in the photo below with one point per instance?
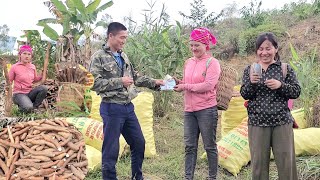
(23, 76)
(200, 83)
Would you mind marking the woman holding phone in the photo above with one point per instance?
(270, 121)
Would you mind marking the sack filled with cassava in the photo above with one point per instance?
(143, 104)
(306, 141)
(298, 116)
(233, 116)
(94, 157)
(92, 131)
(233, 149)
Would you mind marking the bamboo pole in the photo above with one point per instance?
(8, 98)
(45, 64)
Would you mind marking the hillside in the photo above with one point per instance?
(304, 36)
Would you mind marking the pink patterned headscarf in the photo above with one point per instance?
(25, 48)
(204, 36)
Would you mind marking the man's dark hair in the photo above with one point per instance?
(115, 27)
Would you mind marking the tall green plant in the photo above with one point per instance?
(158, 49)
(74, 17)
(302, 9)
(316, 7)
(307, 69)
(198, 15)
(159, 52)
(76, 20)
(252, 14)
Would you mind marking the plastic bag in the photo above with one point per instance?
(94, 157)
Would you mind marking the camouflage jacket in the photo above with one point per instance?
(107, 77)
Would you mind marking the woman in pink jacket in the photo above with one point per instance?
(24, 74)
(199, 84)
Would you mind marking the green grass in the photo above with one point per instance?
(169, 164)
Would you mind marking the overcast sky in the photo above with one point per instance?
(24, 14)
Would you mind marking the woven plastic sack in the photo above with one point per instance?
(92, 131)
(298, 116)
(95, 106)
(88, 85)
(94, 157)
(233, 149)
(144, 110)
(234, 115)
(306, 141)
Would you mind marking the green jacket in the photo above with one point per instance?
(107, 77)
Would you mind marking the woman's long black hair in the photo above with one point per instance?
(272, 38)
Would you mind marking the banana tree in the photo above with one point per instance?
(76, 19)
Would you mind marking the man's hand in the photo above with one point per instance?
(178, 88)
(159, 82)
(127, 81)
(254, 78)
(273, 84)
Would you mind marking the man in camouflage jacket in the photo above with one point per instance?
(115, 81)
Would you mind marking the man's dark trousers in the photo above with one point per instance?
(121, 119)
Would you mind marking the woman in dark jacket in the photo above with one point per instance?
(270, 121)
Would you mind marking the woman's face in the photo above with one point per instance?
(25, 57)
(197, 48)
(266, 53)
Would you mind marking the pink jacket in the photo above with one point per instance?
(200, 83)
(23, 76)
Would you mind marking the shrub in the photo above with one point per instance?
(248, 37)
(252, 14)
(301, 10)
(228, 32)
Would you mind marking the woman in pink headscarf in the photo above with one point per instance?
(24, 74)
(199, 84)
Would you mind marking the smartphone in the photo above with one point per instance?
(257, 68)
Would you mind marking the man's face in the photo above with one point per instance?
(117, 41)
